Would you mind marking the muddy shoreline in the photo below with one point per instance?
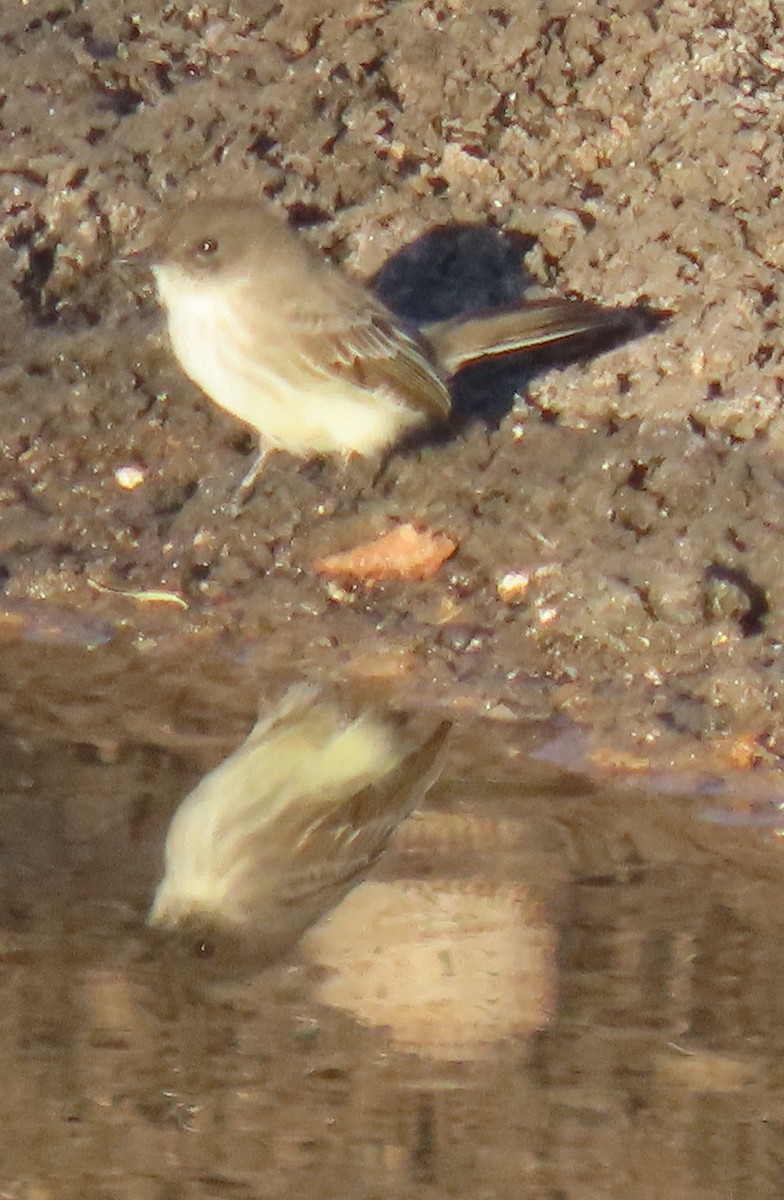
(639, 490)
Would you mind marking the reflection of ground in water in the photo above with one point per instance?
(541, 985)
(449, 963)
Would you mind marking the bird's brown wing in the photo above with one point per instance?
(362, 343)
(348, 836)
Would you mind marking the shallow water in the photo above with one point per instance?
(544, 988)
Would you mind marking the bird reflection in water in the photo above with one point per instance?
(279, 832)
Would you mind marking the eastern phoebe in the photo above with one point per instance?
(307, 356)
(275, 835)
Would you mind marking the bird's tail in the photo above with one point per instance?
(458, 343)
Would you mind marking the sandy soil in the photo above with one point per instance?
(636, 149)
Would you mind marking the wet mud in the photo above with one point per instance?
(635, 491)
(564, 975)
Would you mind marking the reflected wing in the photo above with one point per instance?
(350, 834)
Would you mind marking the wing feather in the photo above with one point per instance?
(358, 339)
(351, 833)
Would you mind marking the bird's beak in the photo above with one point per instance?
(145, 256)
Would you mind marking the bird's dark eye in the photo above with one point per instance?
(204, 949)
(206, 247)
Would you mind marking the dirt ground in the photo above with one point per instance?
(618, 518)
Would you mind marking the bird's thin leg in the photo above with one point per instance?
(244, 490)
(383, 479)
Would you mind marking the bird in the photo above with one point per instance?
(277, 833)
(303, 353)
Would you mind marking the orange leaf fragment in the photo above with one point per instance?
(742, 751)
(404, 553)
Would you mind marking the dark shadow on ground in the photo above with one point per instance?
(470, 270)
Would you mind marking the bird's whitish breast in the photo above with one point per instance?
(289, 403)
